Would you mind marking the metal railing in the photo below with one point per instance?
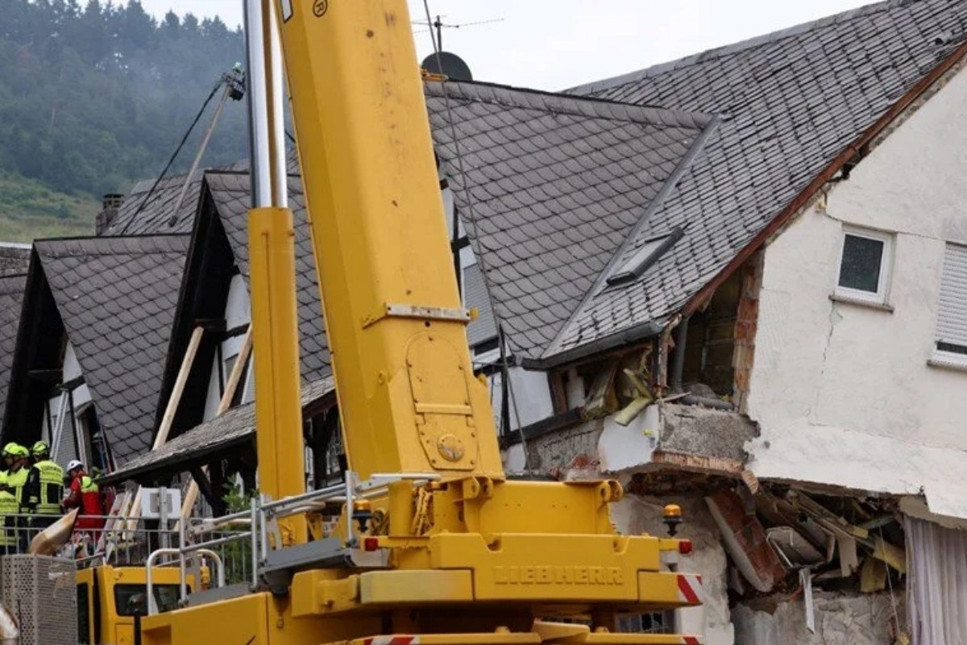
(240, 542)
(183, 555)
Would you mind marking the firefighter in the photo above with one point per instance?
(84, 495)
(16, 457)
(45, 487)
(9, 508)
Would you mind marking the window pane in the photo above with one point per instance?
(860, 268)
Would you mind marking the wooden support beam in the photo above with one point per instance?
(200, 479)
(173, 401)
(234, 378)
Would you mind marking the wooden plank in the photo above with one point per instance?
(849, 561)
(234, 378)
(826, 517)
(892, 555)
(173, 401)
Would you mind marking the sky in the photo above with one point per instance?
(556, 44)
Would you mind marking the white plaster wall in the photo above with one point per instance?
(533, 397)
(843, 393)
(635, 515)
(237, 313)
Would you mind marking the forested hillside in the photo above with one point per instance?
(96, 95)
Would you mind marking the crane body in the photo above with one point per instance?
(429, 541)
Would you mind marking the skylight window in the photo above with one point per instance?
(646, 255)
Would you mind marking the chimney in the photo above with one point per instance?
(110, 204)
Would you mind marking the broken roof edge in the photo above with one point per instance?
(553, 102)
(171, 454)
(182, 462)
(850, 152)
(553, 355)
(731, 48)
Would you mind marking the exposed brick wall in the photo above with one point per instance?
(745, 328)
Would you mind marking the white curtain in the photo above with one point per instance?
(937, 583)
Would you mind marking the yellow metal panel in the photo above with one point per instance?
(321, 591)
(239, 620)
(542, 507)
(380, 240)
(415, 586)
(669, 589)
(549, 567)
(489, 638)
(568, 633)
(275, 340)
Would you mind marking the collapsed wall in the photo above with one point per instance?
(841, 619)
(753, 592)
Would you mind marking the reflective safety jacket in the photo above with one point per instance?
(45, 488)
(9, 507)
(17, 481)
(87, 496)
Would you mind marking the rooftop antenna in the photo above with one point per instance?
(438, 26)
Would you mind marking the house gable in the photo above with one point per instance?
(790, 104)
(848, 391)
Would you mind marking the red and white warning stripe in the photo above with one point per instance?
(392, 640)
(690, 588)
(691, 640)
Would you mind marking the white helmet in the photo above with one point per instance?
(74, 464)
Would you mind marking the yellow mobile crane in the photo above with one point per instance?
(428, 541)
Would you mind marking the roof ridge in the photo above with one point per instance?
(684, 164)
(741, 45)
(107, 246)
(129, 236)
(650, 114)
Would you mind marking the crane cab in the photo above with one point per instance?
(109, 598)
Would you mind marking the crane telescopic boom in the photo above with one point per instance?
(429, 542)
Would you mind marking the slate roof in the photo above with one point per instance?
(14, 259)
(11, 302)
(230, 192)
(556, 185)
(144, 212)
(234, 426)
(117, 297)
(789, 103)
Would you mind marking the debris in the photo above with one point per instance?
(877, 522)
(751, 481)
(779, 512)
(892, 555)
(792, 547)
(825, 517)
(872, 576)
(746, 541)
(632, 410)
(806, 579)
(602, 399)
(849, 561)
(639, 384)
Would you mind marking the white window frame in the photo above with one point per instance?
(886, 266)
